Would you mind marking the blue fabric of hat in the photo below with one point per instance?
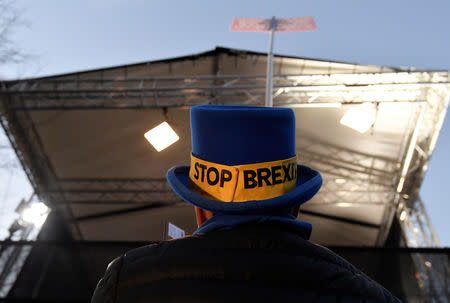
(238, 135)
(235, 135)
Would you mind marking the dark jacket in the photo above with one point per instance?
(250, 263)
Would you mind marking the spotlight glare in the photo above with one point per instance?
(315, 105)
(344, 204)
(35, 214)
(403, 215)
(359, 120)
(161, 136)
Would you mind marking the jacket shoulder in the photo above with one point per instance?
(268, 258)
(106, 290)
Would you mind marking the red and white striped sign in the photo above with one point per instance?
(296, 24)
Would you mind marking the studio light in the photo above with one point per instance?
(340, 181)
(358, 119)
(35, 213)
(315, 105)
(343, 204)
(161, 136)
(401, 182)
(403, 215)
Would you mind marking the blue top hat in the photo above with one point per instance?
(252, 144)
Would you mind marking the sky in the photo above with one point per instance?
(68, 36)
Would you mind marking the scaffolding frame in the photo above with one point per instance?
(175, 91)
(429, 90)
(398, 181)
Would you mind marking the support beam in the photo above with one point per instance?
(131, 93)
(340, 219)
(123, 211)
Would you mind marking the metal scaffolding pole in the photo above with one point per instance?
(269, 75)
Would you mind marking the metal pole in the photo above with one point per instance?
(424, 212)
(269, 75)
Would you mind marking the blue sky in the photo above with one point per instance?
(65, 36)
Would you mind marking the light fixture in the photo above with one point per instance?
(340, 181)
(401, 182)
(315, 105)
(161, 136)
(403, 215)
(35, 213)
(358, 119)
(343, 204)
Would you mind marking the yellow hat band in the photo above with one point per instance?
(240, 183)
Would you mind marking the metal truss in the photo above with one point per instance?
(416, 151)
(112, 190)
(366, 182)
(350, 178)
(91, 93)
(27, 144)
(417, 225)
(11, 127)
(432, 271)
(346, 163)
(12, 258)
(132, 194)
(374, 180)
(355, 179)
(148, 193)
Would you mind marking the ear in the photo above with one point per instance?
(202, 215)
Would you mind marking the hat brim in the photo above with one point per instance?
(309, 182)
